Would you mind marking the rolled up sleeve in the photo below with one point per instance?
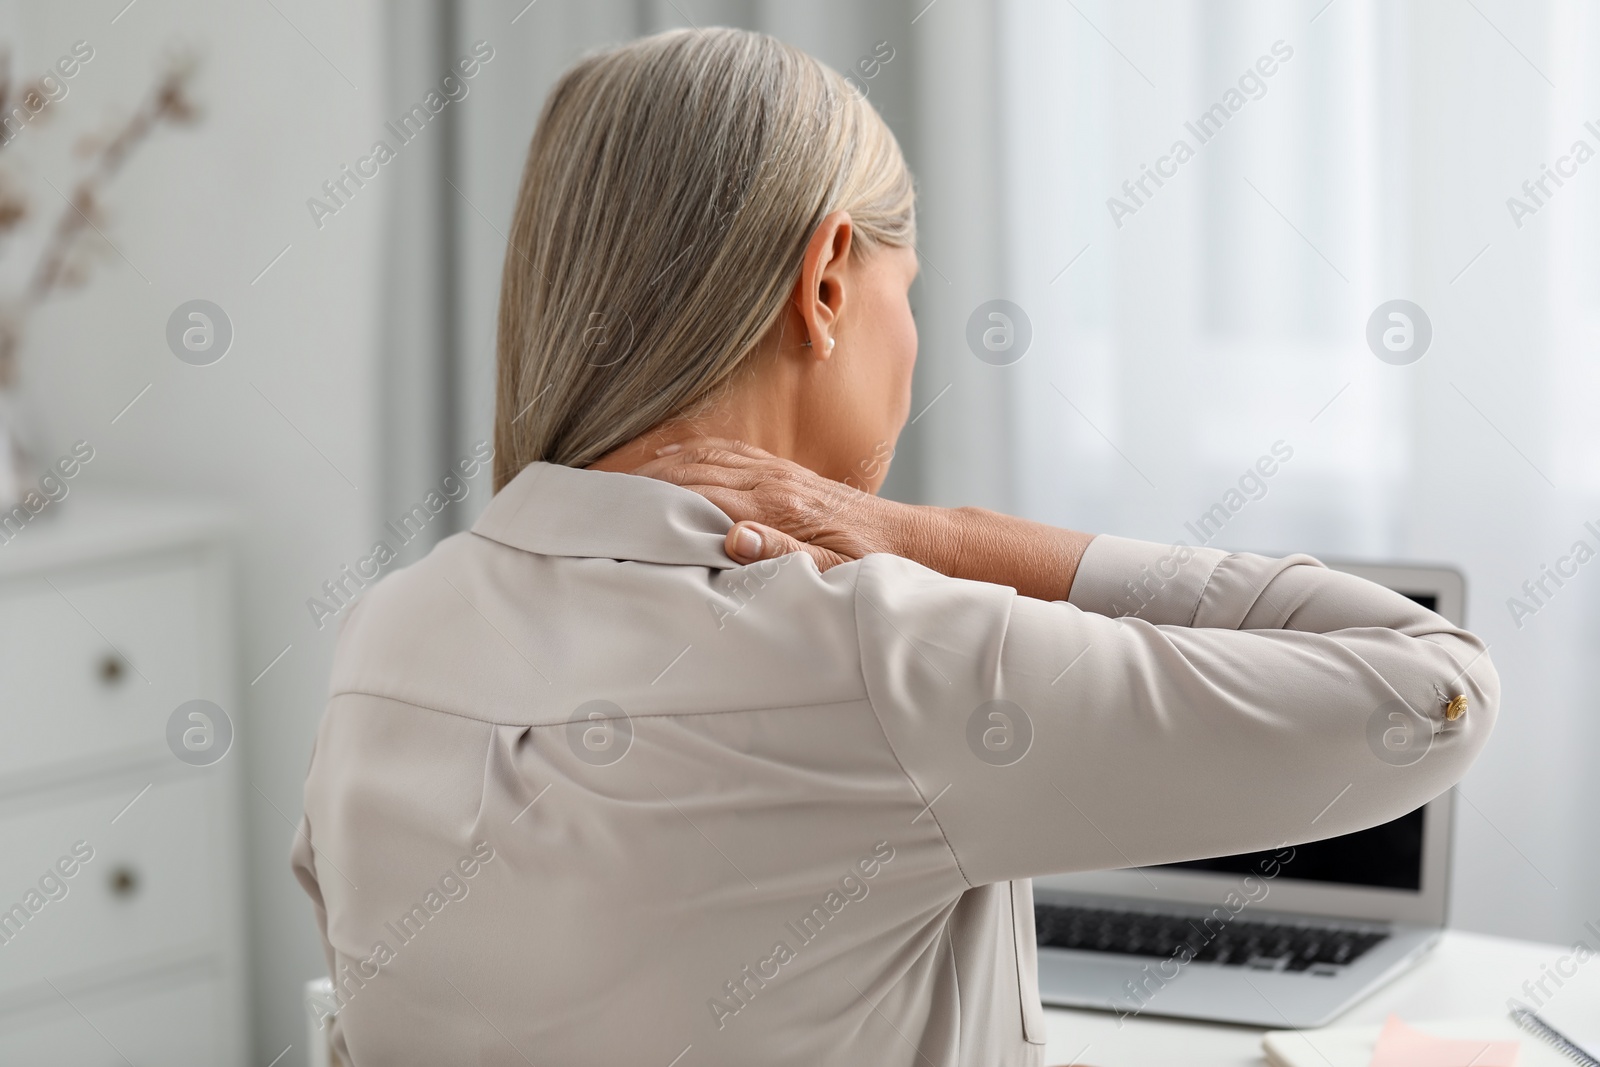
(1182, 703)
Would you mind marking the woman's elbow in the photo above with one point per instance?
(1465, 712)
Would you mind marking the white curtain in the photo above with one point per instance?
(1183, 330)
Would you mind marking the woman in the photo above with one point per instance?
(689, 752)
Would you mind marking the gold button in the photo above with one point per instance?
(1456, 708)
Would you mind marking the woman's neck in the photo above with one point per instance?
(754, 412)
(644, 448)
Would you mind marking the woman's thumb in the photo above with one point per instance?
(750, 542)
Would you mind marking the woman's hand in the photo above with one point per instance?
(780, 507)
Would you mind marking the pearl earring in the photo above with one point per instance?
(830, 344)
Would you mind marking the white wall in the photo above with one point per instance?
(199, 213)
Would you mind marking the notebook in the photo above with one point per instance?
(1575, 1013)
(1352, 1046)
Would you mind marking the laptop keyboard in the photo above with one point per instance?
(1240, 943)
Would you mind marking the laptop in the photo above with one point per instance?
(1334, 922)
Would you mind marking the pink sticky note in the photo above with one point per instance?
(1401, 1046)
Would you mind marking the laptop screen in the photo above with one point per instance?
(1384, 857)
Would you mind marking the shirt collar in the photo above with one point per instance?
(555, 510)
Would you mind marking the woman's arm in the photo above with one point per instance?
(780, 507)
(1181, 702)
(1036, 560)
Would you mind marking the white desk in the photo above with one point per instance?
(1465, 976)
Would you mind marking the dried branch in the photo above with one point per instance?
(65, 260)
(168, 102)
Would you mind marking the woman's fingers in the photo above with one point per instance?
(702, 457)
(691, 475)
(726, 444)
(802, 511)
(731, 502)
(720, 450)
(751, 542)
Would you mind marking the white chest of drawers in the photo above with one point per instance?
(112, 614)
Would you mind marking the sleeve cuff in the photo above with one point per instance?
(1161, 584)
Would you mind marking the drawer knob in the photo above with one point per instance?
(112, 669)
(124, 881)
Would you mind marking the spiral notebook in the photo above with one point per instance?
(1575, 1041)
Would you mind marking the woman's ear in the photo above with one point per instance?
(825, 279)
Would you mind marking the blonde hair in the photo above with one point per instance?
(669, 194)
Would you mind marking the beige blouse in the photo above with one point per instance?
(587, 792)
